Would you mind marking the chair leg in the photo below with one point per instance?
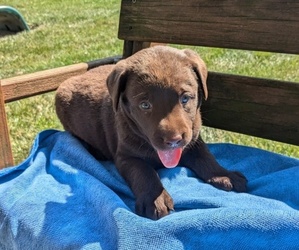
(6, 158)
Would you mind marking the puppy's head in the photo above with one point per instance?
(160, 89)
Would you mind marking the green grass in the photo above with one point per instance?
(64, 32)
(72, 31)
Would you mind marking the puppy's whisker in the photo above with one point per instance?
(139, 94)
(141, 145)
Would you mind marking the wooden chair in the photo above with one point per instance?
(260, 107)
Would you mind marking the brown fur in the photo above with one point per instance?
(147, 102)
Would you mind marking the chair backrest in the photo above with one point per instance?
(260, 107)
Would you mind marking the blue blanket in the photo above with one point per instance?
(60, 197)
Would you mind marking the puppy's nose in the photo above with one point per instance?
(173, 141)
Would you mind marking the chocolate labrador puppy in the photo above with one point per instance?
(144, 113)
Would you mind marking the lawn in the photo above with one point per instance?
(72, 31)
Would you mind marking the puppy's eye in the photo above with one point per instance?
(145, 105)
(185, 99)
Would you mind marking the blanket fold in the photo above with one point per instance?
(60, 197)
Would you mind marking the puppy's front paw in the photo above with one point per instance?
(221, 182)
(154, 208)
(238, 180)
(234, 181)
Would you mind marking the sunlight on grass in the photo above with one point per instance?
(27, 118)
(68, 32)
(64, 33)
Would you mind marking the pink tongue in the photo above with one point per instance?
(170, 158)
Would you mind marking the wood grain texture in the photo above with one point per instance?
(19, 87)
(253, 106)
(131, 47)
(268, 25)
(6, 158)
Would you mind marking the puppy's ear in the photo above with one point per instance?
(200, 69)
(116, 83)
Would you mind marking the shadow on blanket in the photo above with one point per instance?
(62, 198)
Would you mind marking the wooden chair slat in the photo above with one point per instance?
(19, 87)
(268, 25)
(253, 106)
